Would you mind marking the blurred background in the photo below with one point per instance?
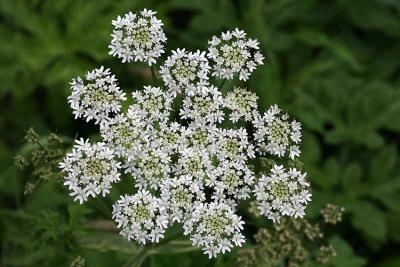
(334, 65)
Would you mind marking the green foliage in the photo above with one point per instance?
(333, 64)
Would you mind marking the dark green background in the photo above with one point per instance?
(334, 65)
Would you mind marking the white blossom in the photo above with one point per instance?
(97, 97)
(276, 135)
(232, 53)
(140, 217)
(181, 195)
(189, 150)
(125, 134)
(242, 103)
(203, 109)
(89, 169)
(150, 168)
(151, 105)
(230, 180)
(215, 228)
(186, 72)
(282, 193)
(233, 145)
(138, 37)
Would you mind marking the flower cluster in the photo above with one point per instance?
(282, 192)
(138, 37)
(276, 135)
(90, 170)
(187, 147)
(98, 98)
(215, 227)
(141, 217)
(186, 71)
(233, 54)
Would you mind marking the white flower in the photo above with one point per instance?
(181, 195)
(186, 72)
(184, 144)
(230, 181)
(140, 217)
(96, 98)
(232, 54)
(138, 37)
(282, 193)
(125, 134)
(152, 105)
(193, 162)
(89, 170)
(150, 168)
(199, 136)
(203, 109)
(215, 228)
(233, 145)
(170, 137)
(242, 103)
(276, 135)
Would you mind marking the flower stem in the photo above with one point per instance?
(153, 75)
(222, 84)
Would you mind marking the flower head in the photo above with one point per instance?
(152, 105)
(150, 168)
(125, 135)
(140, 217)
(276, 135)
(203, 109)
(181, 195)
(232, 54)
(215, 228)
(230, 181)
(282, 193)
(90, 169)
(242, 103)
(138, 37)
(96, 98)
(186, 72)
(233, 145)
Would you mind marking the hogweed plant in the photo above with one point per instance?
(194, 168)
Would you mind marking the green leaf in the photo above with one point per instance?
(345, 254)
(317, 38)
(107, 242)
(369, 220)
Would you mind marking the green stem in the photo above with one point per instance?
(222, 84)
(104, 209)
(137, 260)
(153, 75)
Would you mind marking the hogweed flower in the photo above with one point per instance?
(138, 37)
(242, 104)
(124, 134)
(187, 147)
(282, 192)
(90, 170)
(140, 217)
(232, 54)
(203, 109)
(215, 228)
(151, 105)
(186, 72)
(182, 195)
(98, 97)
(276, 135)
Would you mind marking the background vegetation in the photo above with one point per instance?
(334, 65)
